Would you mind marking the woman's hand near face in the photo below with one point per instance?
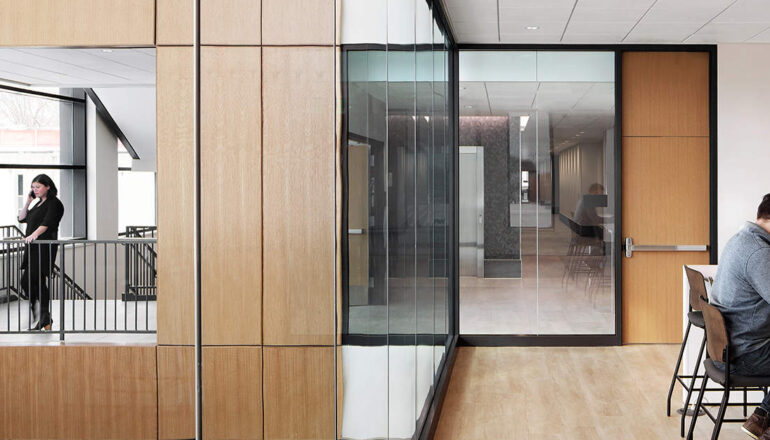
(30, 198)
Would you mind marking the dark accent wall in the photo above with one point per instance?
(501, 241)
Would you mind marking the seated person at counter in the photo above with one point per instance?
(742, 293)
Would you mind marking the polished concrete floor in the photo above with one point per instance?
(553, 304)
(559, 292)
(565, 393)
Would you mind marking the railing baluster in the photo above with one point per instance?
(62, 272)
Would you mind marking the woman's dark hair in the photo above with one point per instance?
(764, 208)
(43, 179)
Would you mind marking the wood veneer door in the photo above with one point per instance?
(665, 187)
(358, 223)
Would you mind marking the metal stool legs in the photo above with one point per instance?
(697, 407)
(676, 369)
(692, 387)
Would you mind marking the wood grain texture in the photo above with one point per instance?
(665, 94)
(299, 207)
(77, 23)
(225, 22)
(232, 389)
(230, 196)
(666, 190)
(298, 22)
(175, 183)
(174, 22)
(176, 392)
(581, 393)
(665, 202)
(84, 392)
(652, 305)
(299, 392)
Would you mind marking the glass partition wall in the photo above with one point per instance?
(396, 243)
(537, 189)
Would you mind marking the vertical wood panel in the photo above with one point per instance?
(665, 201)
(298, 22)
(665, 94)
(176, 392)
(77, 22)
(231, 22)
(231, 195)
(174, 22)
(85, 392)
(299, 392)
(299, 205)
(175, 189)
(232, 392)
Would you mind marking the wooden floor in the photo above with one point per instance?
(565, 393)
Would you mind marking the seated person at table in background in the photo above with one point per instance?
(742, 293)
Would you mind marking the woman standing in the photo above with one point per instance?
(42, 223)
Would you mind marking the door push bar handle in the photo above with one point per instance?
(631, 248)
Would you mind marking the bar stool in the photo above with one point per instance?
(694, 318)
(719, 350)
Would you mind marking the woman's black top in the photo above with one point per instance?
(48, 213)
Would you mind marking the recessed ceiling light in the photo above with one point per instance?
(468, 106)
(107, 50)
(532, 28)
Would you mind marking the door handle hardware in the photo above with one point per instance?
(630, 247)
(355, 232)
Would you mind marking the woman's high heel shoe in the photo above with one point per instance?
(43, 326)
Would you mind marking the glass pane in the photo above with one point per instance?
(537, 137)
(136, 199)
(17, 182)
(402, 218)
(34, 130)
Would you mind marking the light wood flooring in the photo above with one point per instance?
(565, 393)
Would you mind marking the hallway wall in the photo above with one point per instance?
(743, 134)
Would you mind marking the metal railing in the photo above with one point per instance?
(89, 286)
(140, 263)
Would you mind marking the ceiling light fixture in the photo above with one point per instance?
(107, 50)
(523, 122)
(468, 106)
(532, 28)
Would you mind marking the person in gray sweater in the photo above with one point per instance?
(742, 293)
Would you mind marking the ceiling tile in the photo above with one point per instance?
(763, 37)
(727, 32)
(685, 11)
(520, 27)
(530, 38)
(661, 32)
(619, 28)
(535, 15)
(538, 3)
(746, 11)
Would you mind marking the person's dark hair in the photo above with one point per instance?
(764, 208)
(43, 179)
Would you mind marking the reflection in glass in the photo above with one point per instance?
(545, 121)
(396, 258)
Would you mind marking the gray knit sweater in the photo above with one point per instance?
(742, 289)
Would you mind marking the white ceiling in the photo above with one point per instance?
(610, 21)
(124, 80)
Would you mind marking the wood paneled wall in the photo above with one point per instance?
(77, 23)
(268, 225)
(84, 392)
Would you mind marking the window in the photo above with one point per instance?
(43, 132)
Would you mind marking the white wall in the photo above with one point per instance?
(102, 174)
(743, 86)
